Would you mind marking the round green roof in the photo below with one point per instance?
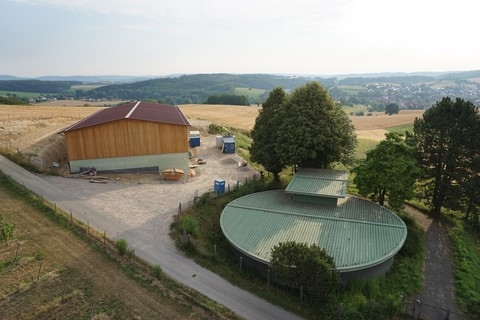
(357, 233)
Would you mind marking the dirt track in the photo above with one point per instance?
(438, 294)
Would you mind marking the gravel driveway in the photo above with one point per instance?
(141, 210)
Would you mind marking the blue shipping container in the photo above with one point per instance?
(194, 139)
(194, 142)
(228, 145)
(219, 186)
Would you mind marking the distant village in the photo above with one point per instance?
(409, 96)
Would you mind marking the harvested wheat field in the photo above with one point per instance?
(242, 117)
(380, 120)
(33, 130)
(367, 127)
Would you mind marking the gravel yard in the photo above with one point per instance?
(139, 199)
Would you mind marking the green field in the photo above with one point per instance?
(355, 108)
(401, 129)
(21, 94)
(251, 93)
(86, 87)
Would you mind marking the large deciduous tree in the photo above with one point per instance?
(305, 129)
(315, 132)
(389, 171)
(448, 147)
(299, 265)
(392, 108)
(264, 148)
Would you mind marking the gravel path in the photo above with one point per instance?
(438, 295)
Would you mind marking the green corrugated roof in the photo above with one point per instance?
(357, 233)
(319, 182)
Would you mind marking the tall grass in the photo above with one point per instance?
(466, 256)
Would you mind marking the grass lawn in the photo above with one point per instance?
(252, 93)
(356, 108)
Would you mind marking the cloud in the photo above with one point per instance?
(247, 11)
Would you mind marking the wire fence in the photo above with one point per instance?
(229, 186)
(417, 309)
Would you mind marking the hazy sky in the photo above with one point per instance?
(159, 37)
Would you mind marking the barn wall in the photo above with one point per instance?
(160, 162)
(126, 138)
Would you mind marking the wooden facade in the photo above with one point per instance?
(126, 138)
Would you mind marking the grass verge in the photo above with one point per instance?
(466, 257)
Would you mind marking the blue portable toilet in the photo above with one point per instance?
(194, 139)
(219, 186)
(228, 145)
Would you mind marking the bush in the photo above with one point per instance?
(6, 230)
(122, 246)
(190, 225)
(157, 271)
(216, 129)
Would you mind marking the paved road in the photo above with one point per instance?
(173, 263)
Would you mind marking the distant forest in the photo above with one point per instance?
(39, 86)
(409, 91)
(196, 88)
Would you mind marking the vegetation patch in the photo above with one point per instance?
(466, 255)
(402, 128)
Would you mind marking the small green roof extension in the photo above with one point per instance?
(319, 183)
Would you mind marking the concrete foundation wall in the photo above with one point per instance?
(364, 274)
(161, 162)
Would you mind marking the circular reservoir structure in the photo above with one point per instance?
(361, 236)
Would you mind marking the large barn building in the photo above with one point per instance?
(133, 136)
(361, 236)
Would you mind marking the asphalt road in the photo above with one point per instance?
(147, 246)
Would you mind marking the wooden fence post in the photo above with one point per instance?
(16, 252)
(39, 269)
(268, 277)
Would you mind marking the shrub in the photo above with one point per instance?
(6, 230)
(157, 271)
(122, 246)
(190, 225)
(216, 129)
